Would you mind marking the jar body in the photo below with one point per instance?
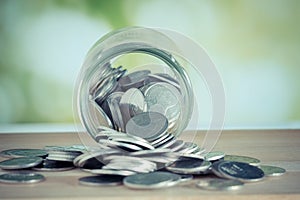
(153, 50)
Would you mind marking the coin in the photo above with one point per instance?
(167, 144)
(16, 153)
(20, 163)
(21, 177)
(153, 180)
(164, 98)
(177, 145)
(132, 103)
(113, 101)
(188, 148)
(245, 159)
(166, 140)
(240, 171)
(214, 155)
(147, 125)
(101, 180)
(121, 145)
(85, 158)
(104, 88)
(164, 78)
(188, 165)
(150, 152)
(52, 165)
(215, 169)
(132, 140)
(272, 170)
(135, 79)
(219, 184)
(112, 172)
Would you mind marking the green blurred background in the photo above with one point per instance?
(255, 45)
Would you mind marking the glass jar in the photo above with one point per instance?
(160, 52)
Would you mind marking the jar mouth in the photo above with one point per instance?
(107, 56)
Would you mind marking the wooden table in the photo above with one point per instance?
(274, 147)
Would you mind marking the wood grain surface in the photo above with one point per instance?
(274, 147)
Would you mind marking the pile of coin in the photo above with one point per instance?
(145, 169)
(139, 103)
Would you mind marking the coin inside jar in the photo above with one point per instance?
(147, 125)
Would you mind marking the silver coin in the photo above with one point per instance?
(104, 88)
(142, 144)
(177, 145)
(188, 147)
(188, 165)
(165, 99)
(20, 163)
(214, 155)
(147, 125)
(121, 145)
(103, 72)
(73, 148)
(135, 79)
(81, 160)
(199, 151)
(135, 166)
(61, 158)
(103, 180)
(99, 115)
(139, 165)
(21, 177)
(219, 184)
(125, 158)
(165, 140)
(152, 180)
(16, 153)
(160, 159)
(112, 172)
(119, 72)
(214, 169)
(150, 152)
(245, 159)
(64, 153)
(132, 103)
(159, 139)
(160, 77)
(167, 144)
(240, 171)
(272, 170)
(113, 101)
(51, 165)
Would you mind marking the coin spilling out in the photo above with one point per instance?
(136, 119)
(144, 169)
(21, 177)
